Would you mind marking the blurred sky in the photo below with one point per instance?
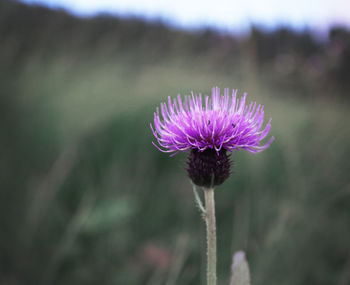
(229, 15)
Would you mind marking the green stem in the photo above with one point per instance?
(211, 235)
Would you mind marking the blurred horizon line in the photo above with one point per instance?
(318, 32)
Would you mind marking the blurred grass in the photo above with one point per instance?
(87, 199)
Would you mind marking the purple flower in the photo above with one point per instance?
(219, 122)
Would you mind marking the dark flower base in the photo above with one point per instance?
(207, 168)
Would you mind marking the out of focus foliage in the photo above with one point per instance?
(286, 59)
(86, 199)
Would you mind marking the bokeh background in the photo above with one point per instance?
(86, 199)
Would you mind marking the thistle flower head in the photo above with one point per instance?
(210, 127)
(216, 122)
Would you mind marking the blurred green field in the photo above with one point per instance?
(87, 199)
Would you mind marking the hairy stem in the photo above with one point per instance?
(211, 235)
